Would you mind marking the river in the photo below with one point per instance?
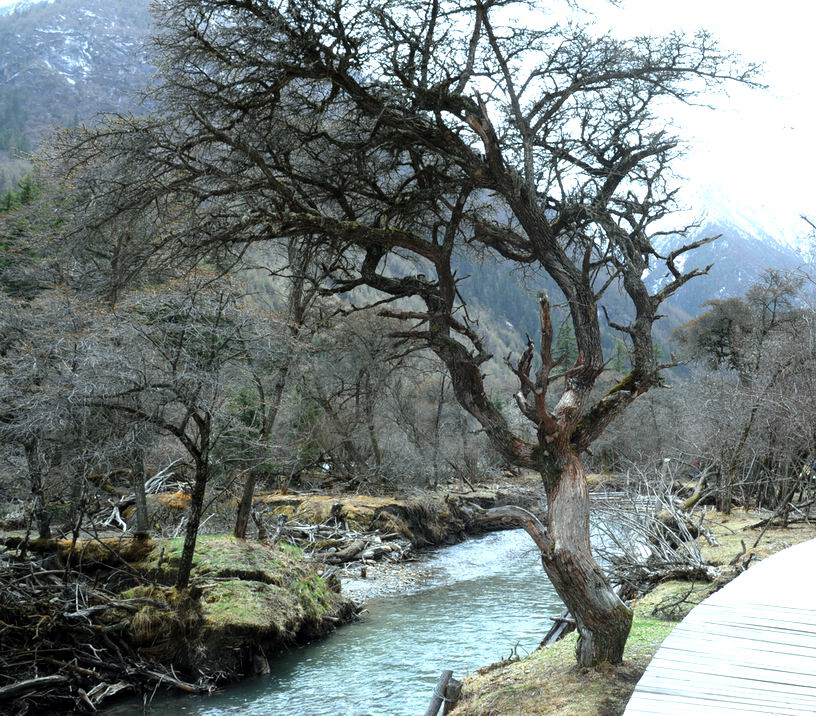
(478, 602)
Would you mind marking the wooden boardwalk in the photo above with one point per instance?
(748, 649)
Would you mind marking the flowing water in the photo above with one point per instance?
(482, 600)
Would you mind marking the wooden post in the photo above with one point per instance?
(452, 693)
(562, 626)
(439, 693)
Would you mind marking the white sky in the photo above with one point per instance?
(757, 150)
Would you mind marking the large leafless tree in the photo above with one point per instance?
(422, 129)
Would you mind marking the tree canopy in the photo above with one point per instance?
(412, 133)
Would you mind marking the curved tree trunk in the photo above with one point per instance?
(602, 619)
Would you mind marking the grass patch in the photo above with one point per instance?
(222, 556)
(548, 682)
(249, 592)
(237, 608)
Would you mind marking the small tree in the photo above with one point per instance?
(274, 348)
(171, 376)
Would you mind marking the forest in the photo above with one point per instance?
(367, 279)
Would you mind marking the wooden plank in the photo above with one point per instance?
(748, 649)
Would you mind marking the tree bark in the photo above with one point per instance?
(41, 513)
(245, 505)
(440, 404)
(603, 621)
(196, 503)
(142, 528)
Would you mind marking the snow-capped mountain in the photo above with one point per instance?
(737, 258)
(63, 61)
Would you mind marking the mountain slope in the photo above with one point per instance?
(62, 62)
(737, 260)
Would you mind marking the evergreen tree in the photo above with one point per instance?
(620, 361)
(566, 347)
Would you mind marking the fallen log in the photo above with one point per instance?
(13, 691)
(348, 553)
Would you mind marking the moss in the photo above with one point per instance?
(221, 556)
(314, 595)
(238, 608)
(245, 598)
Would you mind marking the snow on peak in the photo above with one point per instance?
(753, 217)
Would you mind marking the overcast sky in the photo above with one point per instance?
(756, 151)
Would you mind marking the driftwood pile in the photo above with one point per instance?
(64, 641)
(334, 542)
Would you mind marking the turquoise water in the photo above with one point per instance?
(483, 600)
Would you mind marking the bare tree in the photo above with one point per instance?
(420, 130)
(765, 339)
(41, 348)
(171, 377)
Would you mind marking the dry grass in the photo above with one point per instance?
(174, 500)
(548, 682)
(422, 520)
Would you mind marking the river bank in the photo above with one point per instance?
(248, 600)
(548, 682)
(467, 604)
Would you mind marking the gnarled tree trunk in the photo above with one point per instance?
(602, 619)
